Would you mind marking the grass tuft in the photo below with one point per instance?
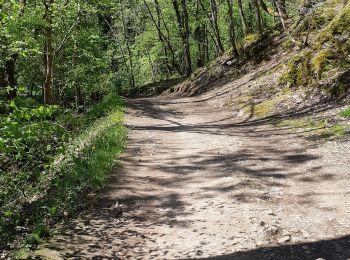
(345, 112)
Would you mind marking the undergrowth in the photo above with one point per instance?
(325, 57)
(41, 188)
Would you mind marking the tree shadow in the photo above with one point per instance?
(332, 249)
(267, 164)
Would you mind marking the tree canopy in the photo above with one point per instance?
(71, 53)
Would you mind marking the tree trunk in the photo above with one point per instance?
(8, 79)
(163, 39)
(214, 18)
(259, 24)
(165, 50)
(232, 32)
(186, 39)
(182, 20)
(131, 76)
(11, 77)
(282, 12)
(77, 88)
(48, 72)
(246, 29)
(200, 36)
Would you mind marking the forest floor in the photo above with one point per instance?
(197, 182)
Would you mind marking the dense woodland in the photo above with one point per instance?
(70, 53)
(60, 58)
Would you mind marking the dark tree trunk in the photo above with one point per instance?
(246, 29)
(200, 35)
(258, 17)
(232, 32)
(11, 77)
(186, 40)
(182, 21)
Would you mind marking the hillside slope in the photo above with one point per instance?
(303, 74)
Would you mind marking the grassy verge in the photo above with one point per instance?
(30, 209)
(316, 129)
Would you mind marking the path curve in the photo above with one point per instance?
(197, 183)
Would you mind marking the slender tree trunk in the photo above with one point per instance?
(202, 24)
(214, 18)
(206, 45)
(152, 65)
(186, 39)
(232, 32)
(132, 76)
(11, 76)
(246, 29)
(182, 21)
(77, 88)
(213, 37)
(258, 17)
(200, 35)
(165, 50)
(282, 12)
(282, 4)
(163, 39)
(49, 53)
(8, 76)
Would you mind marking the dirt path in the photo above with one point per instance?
(196, 183)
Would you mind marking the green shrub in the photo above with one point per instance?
(51, 158)
(345, 112)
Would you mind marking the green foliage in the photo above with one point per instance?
(325, 30)
(266, 107)
(339, 26)
(250, 39)
(51, 169)
(29, 136)
(336, 131)
(305, 122)
(322, 62)
(345, 112)
(298, 70)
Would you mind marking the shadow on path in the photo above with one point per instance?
(334, 249)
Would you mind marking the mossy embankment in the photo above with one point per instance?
(304, 85)
(323, 61)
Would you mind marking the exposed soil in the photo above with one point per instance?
(198, 182)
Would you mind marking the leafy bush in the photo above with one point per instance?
(49, 162)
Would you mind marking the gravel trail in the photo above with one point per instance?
(198, 183)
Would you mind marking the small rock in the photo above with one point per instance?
(199, 252)
(116, 210)
(271, 213)
(284, 239)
